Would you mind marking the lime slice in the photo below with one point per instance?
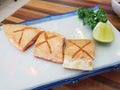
(103, 33)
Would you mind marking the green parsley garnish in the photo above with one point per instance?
(90, 17)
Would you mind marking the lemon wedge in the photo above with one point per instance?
(103, 33)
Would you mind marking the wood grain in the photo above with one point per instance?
(40, 8)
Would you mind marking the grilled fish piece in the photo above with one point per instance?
(49, 46)
(21, 36)
(79, 54)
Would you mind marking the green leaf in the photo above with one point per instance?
(90, 17)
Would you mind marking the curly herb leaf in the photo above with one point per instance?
(90, 17)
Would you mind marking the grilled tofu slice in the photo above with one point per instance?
(21, 36)
(49, 46)
(79, 54)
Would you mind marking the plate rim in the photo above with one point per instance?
(77, 78)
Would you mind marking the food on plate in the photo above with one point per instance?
(90, 17)
(21, 36)
(97, 21)
(50, 46)
(103, 33)
(79, 54)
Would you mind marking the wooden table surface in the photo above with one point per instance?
(40, 8)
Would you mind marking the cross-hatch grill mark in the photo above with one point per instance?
(22, 30)
(46, 41)
(81, 49)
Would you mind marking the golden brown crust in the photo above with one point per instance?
(21, 36)
(79, 54)
(83, 46)
(49, 46)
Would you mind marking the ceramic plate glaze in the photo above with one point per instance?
(21, 70)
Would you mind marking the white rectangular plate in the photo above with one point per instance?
(21, 70)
